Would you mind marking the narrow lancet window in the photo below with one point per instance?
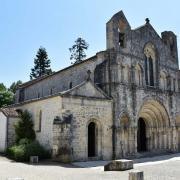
(146, 71)
(151, 72)
(70, 85)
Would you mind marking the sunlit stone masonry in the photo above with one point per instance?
(121, 102)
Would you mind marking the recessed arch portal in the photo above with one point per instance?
(153, 122)
(154, 113)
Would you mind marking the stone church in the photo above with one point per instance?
(119, 103)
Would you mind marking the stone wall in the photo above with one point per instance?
(83, 112)
(62, 138)
(122, 76)
(64, 126)
(50, 108)
(3, 132)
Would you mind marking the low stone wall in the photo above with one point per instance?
(62, 150)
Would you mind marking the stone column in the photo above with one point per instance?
(174, 131)
(169, 139)
(135, 140)
(119, 73)
(160, 138)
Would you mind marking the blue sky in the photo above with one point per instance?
(55, 24)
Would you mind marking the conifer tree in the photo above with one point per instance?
(24, 127)
(14, 86)
(78, 50)
(41, 64)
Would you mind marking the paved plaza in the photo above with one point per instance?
(165, 167)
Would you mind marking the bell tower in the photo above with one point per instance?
(116, 29)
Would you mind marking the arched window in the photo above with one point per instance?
(150, 64)
(146, 70)
(151, 72)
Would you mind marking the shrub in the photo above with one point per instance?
(24, 141)
(25, 149)
(16, 152)
(35, 149)
(26, 145)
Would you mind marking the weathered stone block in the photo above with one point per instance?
(136, 175)
(119, 165)
(34, 159)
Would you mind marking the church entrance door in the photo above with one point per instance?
(92, 140)
(141, 136)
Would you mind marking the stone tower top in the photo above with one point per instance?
(116, 28)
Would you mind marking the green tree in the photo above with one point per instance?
(78, 50)
(6, 97)
(24, 127)
(14, 86)
(41, 64)
(2, 87)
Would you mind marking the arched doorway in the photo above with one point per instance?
(141, 136)
(153, 132)
(92, 139)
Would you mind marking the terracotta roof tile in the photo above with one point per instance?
(9, 112)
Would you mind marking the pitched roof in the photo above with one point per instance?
(86, 88)
(28, 83)
(77, 91)
(9, 112)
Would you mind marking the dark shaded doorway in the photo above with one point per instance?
(141, 136)
(91, 140)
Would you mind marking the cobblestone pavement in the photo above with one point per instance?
(156, 168)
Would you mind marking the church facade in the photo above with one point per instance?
(121, 102)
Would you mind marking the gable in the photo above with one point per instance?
(148, 28)
(86, 89)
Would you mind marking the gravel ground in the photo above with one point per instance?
(157, 168)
